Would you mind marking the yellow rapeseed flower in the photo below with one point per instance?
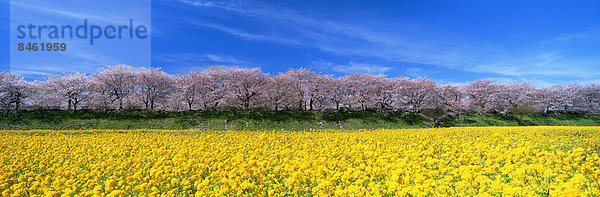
(486, 161)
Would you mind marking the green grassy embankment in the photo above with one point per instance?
(267, 120)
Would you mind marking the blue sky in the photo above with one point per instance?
(81, 54)
(544, 42)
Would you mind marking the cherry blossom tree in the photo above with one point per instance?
(400, 93)
(244, 85)
(589, 97)
(302, 89)
(481, 95)
(43, 96)
(115, 82)
(450, 98)
(419, 93)
(152, 85)
(518, 99)
(559, 98)
(73, 88)
(384, 92)
(520, 94)
(362, 88)
(301, 85)
(277, 90)
(189, 87)
(214, 87)
(318, 91)
(13, 91)
(337, 91)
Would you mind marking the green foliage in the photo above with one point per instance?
(268, 120)
(520, 110)
(530, 119)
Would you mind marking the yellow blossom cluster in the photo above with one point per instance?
(486, 161)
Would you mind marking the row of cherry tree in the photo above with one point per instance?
(120, 87)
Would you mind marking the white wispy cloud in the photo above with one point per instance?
(28, 73)
(351, 67)
(225, 59)
(396, 42)
(416, 72)
(591, 34)
(551, 64)
(412, 43)
(39, 71)
(101, 12)
(195, 59)
(249, 36)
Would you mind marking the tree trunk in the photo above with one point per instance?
(246, 103)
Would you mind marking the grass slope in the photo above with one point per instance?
(265, 120)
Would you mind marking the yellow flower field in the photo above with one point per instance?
(487, 161)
